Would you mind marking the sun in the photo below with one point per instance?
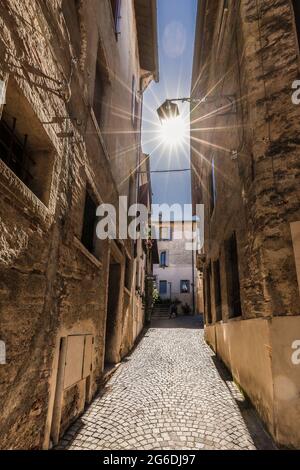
(174, 131)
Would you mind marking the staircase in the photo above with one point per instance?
(161, 311)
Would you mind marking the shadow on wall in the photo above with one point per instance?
(260, 436)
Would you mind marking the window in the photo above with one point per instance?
(212, 186)
(163, 287)
(24, 145)
(185, 287)
(70, 9)
(217, 287)
(165, 233)
(134, 104)
(208, 294)
(128, 275)
(88, 237)
(137, 275)
(101, 82)
(296, 7)
(163, 259)
(233, 280)
(295, 230)
(116, 10)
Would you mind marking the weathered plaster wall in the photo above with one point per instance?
(259, 354)
(257, 193)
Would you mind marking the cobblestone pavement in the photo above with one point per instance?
(171, 393)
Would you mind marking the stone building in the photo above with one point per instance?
(74, 73)
(245, 156)
(176, 276)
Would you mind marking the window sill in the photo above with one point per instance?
(86, 253)
(127, 291)
(233, 319)
(30, 204)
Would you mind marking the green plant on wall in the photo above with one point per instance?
(155, 296)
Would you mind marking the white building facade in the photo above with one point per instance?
(176, 274)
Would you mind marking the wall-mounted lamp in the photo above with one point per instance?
(170, 110)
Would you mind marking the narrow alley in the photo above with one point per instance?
(172, 394)
(149, 229)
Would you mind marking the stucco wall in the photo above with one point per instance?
(258, 353)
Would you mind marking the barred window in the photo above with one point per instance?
(24, 145)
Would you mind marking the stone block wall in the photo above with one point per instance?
(51, 286)
(245, 145)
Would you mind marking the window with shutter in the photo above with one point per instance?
(163, 259)
(163, 287)
(116, 10)
(165, 233)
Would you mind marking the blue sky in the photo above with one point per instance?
(176, 30)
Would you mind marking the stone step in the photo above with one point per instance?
(160, 316)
